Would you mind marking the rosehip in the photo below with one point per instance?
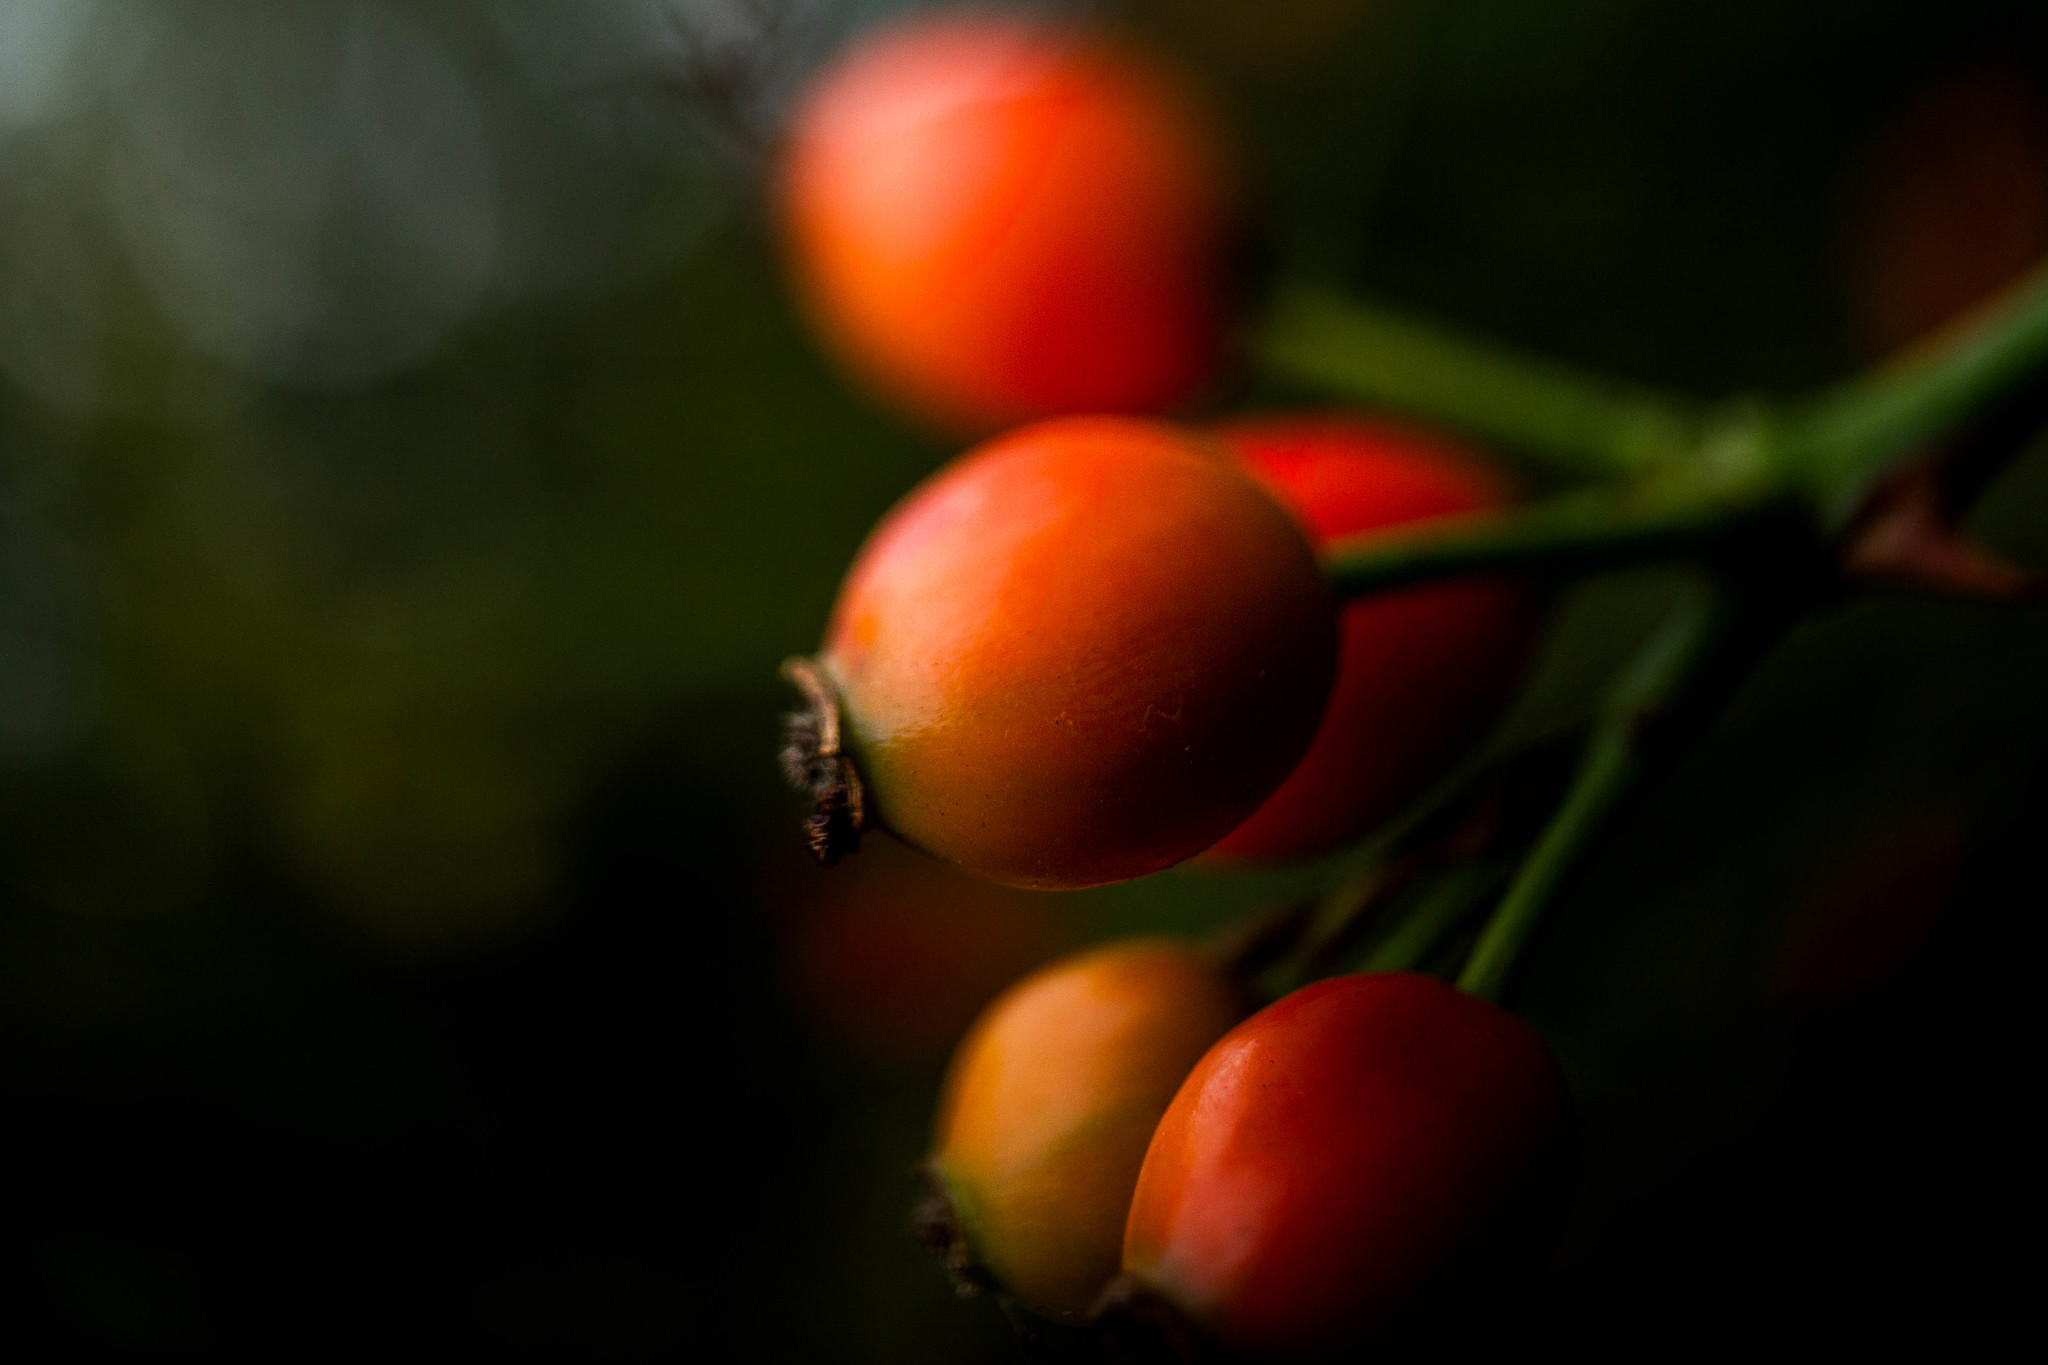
(895, 956)
(1954, 204)
(1050, 1102)
(1333, 1151)
(1081, 653)
(1420, 671)
(1869, 909)
(995, 220)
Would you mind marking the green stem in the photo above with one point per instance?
(1340, 911)
(1605, 771)
(1364, 875)
(1838, 442)
(1576, 422)
(1433, 916)
(1575, 533)
(1830, 446)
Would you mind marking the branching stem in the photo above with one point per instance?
(1826, 449)
(1434, 915)
(1574, 533)
(1838, 443)
(1577, 423)
(1607, 766)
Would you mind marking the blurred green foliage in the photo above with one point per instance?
(391, 866)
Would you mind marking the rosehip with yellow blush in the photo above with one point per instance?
(1049, 1105)
(1081, 653)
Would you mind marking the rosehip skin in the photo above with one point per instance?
(1421, 671)
(1332, 1152)
(995, 220)
(1051, 1100)
(1081, 653)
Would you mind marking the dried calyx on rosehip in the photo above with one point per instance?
(1080, 653)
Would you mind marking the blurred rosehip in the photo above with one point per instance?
(993, 219)
(1421, 672)
(1050, 1103)
(1081, 653)
(1869, 908)
(1954, 204)
(1331, 1154)
(893, 955)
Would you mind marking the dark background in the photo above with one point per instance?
(412, 470)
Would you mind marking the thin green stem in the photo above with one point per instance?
(1371, 869)
(1338, 913)
(1434, 802)
(1837, 443)
(1435, 914)
(1605, 770)
(1575, 533)
(1575, 422)
(1829, 447)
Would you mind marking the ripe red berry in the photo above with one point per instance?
(1332, 1152)
(1420, 671)
(994, 220)
(1050, 1102)
(1080, 653)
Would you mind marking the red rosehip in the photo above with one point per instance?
(1050, 1102)
(994, 220)
(1331, 1153)
(1954, 203)
(1080, 653)
(1421, 671)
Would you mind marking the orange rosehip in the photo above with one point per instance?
(994, 220)
(1049, 1105)
(1333, 1152)
(1421, 671)
(1081, 653)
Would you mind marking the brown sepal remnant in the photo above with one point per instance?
(1130, 1325)
(936, 1226)
(814, 762)
(1135, 1325)
(1906, 536)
